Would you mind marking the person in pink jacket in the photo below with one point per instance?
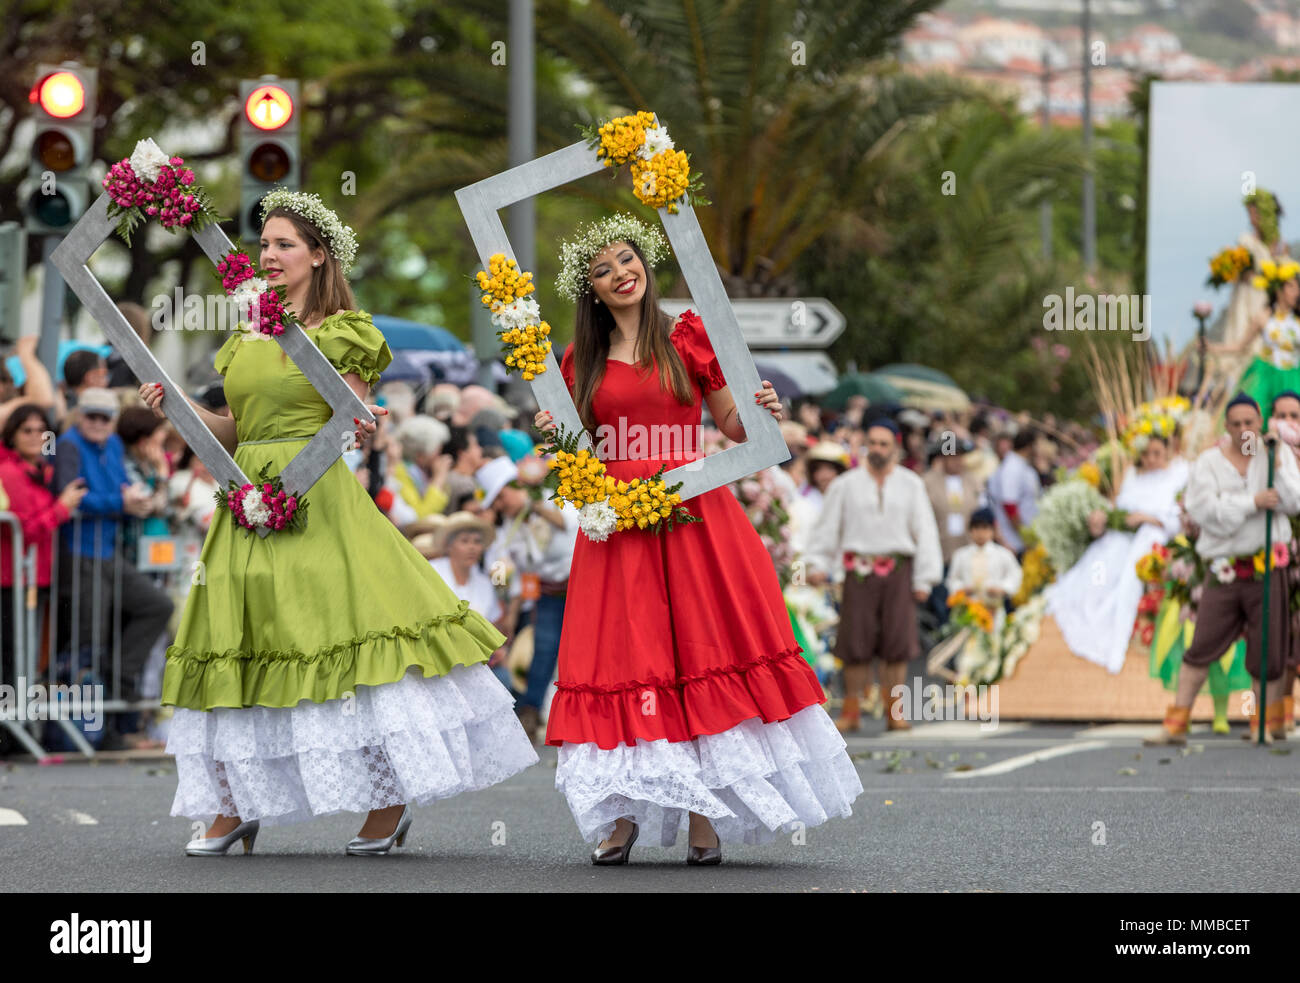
(26, 472)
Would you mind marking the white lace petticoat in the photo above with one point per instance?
(410, 741)
(752, 781)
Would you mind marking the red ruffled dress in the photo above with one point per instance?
(680, 686)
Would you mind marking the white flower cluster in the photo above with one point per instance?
(247, 298)
(657, 140)
(517, 315)
(148, 160)
(255, 510)
(576, 253)
(342, 240)
(1062, 523)
(597, 520)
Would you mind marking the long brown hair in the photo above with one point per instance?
(593, 324)
(329, 290)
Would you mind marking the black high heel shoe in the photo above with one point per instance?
(705, 856)
(610, 855)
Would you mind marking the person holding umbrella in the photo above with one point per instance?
(1230, 498)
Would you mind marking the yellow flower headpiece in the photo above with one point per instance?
(1272, 275)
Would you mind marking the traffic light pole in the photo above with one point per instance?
(53, 295)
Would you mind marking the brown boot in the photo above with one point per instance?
(1174, 730)
(894, 714)
(1252, 727)
(855, 679)
(1275, 720)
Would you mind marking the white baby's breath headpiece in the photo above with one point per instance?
(342, 240)
(576, 253)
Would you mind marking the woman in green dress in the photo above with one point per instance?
(326, 668)
(1275, 333)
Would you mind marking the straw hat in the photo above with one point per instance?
(427, 545)
(429, 524)
(462, 522)
(829, 451)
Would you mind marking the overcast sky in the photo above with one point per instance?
(1204, 135)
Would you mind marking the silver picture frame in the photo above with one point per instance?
(311, 462)
(481, 202)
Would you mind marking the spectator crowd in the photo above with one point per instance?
(97, 482)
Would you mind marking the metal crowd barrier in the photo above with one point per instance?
(47, 661)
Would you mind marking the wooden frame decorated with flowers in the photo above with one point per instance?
(764, 446)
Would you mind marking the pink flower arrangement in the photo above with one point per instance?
(169, 198)
(1281, 555)
(148, 184)
(234, 270)
(263, 505)
(882, 566)
(263, 305)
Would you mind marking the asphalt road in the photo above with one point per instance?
(946, 808)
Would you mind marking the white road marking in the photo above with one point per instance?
(1133, 730)
(1022, 760)
(82, 818)
(949, 730)
(11, 817)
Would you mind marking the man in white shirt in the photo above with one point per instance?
(876, 526)
(1013, 491)
(1229, 498)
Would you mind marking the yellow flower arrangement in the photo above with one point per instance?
(661, 174)
(1151, 568)
(1037, 572)
(1090, 473)
(1228, 265)
(578, 477)
(1272, 274)
(523, 334)
(621, 138)
(1159, 418)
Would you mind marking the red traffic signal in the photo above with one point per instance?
(61, 94)
(268, 107)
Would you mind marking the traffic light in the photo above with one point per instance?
(13, 273)
(57, 188)
(268, 147)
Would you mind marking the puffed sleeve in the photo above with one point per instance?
(352, 343)
(227, 352)
(566, 367)
(696, 351)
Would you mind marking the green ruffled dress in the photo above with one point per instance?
(328, 668)
(1276, 366)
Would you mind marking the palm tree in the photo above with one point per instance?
(788, 108)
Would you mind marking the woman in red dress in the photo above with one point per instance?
(680, 691)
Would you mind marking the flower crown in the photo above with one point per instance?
(1272, 275)
(576, 253)
(342, 240)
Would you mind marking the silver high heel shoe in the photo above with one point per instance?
(361, 847)
(216, 846)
